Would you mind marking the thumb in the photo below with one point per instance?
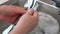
(30, 12)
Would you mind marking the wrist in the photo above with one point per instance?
(18, 30)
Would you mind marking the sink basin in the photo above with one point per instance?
(55, 17)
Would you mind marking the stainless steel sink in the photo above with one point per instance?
(56, 16)
(22, 2)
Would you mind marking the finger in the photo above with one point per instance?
(30, 12)
(35, 14)
(15, 9)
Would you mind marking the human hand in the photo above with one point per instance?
(26, 23)
(9, 13)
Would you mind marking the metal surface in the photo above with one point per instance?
(7, 30)
(3, 1)
(10, 2)
(48, 7)
(31, 4)
(44, 7)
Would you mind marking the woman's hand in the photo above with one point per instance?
(9, 13)
(26, 23)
